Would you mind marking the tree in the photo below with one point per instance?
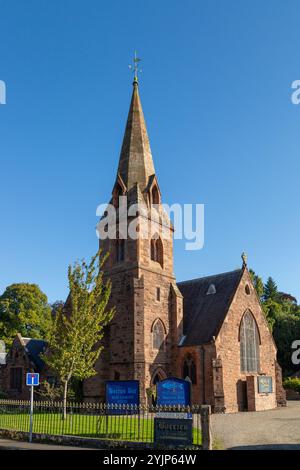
(286, 330)
(270, 290)
(56, 306)
(271, 310)
(258, 284)
(75, 337)
(24, 309)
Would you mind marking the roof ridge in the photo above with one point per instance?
(211, 275)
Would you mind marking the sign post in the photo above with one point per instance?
(32, 380)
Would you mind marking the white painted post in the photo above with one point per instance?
(31, 413)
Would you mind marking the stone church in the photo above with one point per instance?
(210, 331)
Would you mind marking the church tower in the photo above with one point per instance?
(141, 342)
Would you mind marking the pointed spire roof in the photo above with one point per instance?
(136, 163)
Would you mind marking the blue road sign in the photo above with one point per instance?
(173, 391)
(32, 379)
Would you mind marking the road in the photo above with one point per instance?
(264, 430)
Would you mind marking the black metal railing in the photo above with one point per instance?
(96, 420)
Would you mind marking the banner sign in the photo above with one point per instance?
(121, 395)
(173, 432)
(264, 384)
(173, 391)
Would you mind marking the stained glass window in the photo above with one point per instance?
(158, 334)
(249, 344)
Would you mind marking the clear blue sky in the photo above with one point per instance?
(215, 88)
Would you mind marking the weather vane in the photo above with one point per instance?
(244, 258)
(135, 67)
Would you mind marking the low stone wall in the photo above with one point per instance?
(74, 441)
(292, 395)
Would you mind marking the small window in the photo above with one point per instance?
(211, 289)
(158, 294)
(247, 289)
(116, 194)
(158, 335)
(120, 250)
(155, 195)
(189, 370)
(156, 250)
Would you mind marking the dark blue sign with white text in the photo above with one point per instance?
(173, 391)
(121, 395)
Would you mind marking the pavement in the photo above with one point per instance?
(7, 444)
(261, 430)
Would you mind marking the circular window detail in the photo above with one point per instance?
(247, 289)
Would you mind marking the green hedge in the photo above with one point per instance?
(292, 383)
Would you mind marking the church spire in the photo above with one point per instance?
(135, 164)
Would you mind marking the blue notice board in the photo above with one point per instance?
(123, 393)
(173, 391)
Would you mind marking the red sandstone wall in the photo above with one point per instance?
(228, 347)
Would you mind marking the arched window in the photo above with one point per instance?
(249, 344)
(158, 334)
(156, 250)
(189, 369)
(120, 250)
(155, 195)
(153, 249)
(158, 375)
(116, 194)
(156, 379)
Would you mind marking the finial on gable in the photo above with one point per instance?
(244, 258)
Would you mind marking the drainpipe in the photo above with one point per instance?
(203, 375)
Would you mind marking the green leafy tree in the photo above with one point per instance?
(75, 335)
(24, 309)
(286, 330)
(258, 283)
(56, 306)
(270, 290)
(271, 310)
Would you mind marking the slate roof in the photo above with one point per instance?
(203, 314)
(34, 348)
